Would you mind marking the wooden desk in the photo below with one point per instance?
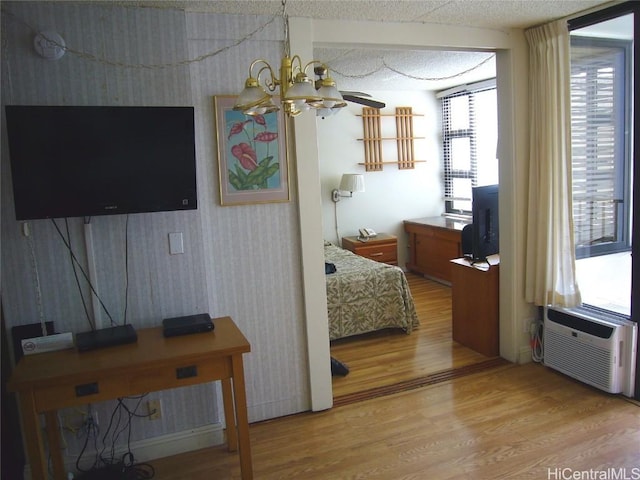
(50, 381)
(433, 243)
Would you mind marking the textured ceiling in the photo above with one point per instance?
(366, 70)
(477, 13)
(353, 68)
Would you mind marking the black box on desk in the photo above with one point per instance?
(198, 323)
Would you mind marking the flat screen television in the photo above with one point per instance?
(81, 161)
(485, 230)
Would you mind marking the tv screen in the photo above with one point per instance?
(485, 230)
(81, 161)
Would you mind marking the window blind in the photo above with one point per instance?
(469, 140)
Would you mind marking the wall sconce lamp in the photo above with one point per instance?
(351, 182)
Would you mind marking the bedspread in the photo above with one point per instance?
(364, 296)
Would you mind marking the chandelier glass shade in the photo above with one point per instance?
(332, 98)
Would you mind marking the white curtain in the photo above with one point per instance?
(550, 255)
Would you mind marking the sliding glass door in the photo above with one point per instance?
(602, 160)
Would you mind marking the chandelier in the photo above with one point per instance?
(298, 92)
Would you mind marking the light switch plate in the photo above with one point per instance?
(176, 243)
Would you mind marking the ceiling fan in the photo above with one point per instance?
(362, 99)
(355, 97)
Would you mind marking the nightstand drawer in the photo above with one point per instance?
(379, 253)
(381, 248)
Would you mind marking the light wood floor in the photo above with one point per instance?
(391, 356)
(511, 422)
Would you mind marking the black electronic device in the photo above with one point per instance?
(466, 240)
(81, 161)
(106, 337)
(176, 326)
(486, 229)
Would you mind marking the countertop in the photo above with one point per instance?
(441, 222)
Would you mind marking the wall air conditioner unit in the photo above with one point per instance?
(598, 350)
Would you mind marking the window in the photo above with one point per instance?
(469, 138)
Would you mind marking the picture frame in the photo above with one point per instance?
(252, 157)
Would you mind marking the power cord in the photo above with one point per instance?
(537, 342)
(75, 272)
(109, 467)
(90, 430)
(84, 274)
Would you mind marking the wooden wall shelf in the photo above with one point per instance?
(387, 163)
(393, 138)
(393, 114)
(372, 124)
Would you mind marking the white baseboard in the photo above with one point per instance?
(524, 355)
(162, 446)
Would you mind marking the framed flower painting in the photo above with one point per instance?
(252, 156)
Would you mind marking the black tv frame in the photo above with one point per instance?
(485, 221)
(83, 161)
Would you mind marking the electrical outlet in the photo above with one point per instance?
(75, 419)
(526, 325)
(90, 423)
(155, 412)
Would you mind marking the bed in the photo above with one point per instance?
(364, 296)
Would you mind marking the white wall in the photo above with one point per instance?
(391, 195)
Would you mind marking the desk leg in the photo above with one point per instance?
(33, 437)
(229, 416)
(240, 398)
(55, 448)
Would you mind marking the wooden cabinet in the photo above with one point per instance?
(381, 248)
(474, 307)
(433, 243)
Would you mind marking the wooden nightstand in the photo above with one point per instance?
(381, 248)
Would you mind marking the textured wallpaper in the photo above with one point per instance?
(242, 261)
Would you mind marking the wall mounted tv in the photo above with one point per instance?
(486, 228)
(81, 161)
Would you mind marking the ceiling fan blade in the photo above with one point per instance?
(355, 94)
(364, 101)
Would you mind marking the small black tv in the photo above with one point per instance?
(81, 161)
(485, 230)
